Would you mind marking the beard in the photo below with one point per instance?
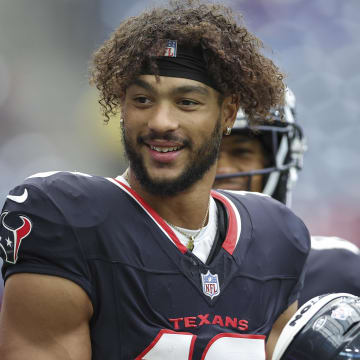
(200, 162)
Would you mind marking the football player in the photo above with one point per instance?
(266, 158)
(153, 264)
(326, 327)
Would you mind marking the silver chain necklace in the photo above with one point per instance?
(190, 244)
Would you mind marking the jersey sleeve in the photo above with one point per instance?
(35, 237)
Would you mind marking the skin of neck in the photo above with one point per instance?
(186, 209)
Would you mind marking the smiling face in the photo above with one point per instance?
(172, 131)
(241, 153)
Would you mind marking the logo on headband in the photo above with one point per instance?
(171, 48)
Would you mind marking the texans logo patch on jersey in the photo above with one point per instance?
(11, 238)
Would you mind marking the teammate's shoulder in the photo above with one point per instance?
(333, 266)
(333, 243)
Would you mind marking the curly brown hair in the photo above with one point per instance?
(232, 54)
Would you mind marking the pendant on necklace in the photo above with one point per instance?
(190, 244)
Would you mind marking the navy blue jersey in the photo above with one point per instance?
(152, 298)
(333, 266)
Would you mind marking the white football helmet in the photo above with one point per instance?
(326, 327)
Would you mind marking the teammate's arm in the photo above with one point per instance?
(278, 326)
(44, 318)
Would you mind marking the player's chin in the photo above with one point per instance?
(163, 174)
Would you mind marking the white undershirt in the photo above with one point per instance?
(205, 239)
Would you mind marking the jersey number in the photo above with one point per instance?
(180, 346)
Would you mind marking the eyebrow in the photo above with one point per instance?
(144, 84)
(191, 88)
(178, 90)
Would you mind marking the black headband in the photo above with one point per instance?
(183, 62)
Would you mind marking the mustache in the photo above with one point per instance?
(167, 136)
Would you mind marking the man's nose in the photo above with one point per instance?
(225, 164)
(163, 119)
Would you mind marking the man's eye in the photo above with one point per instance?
(142, 100)
(187, 102)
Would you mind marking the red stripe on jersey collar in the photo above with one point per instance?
(232, 232)
(158, 219)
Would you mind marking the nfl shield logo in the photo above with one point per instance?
(171, 48)
(210, 284)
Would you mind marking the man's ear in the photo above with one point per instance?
(230, 107)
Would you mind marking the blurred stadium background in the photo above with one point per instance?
(50, 119)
